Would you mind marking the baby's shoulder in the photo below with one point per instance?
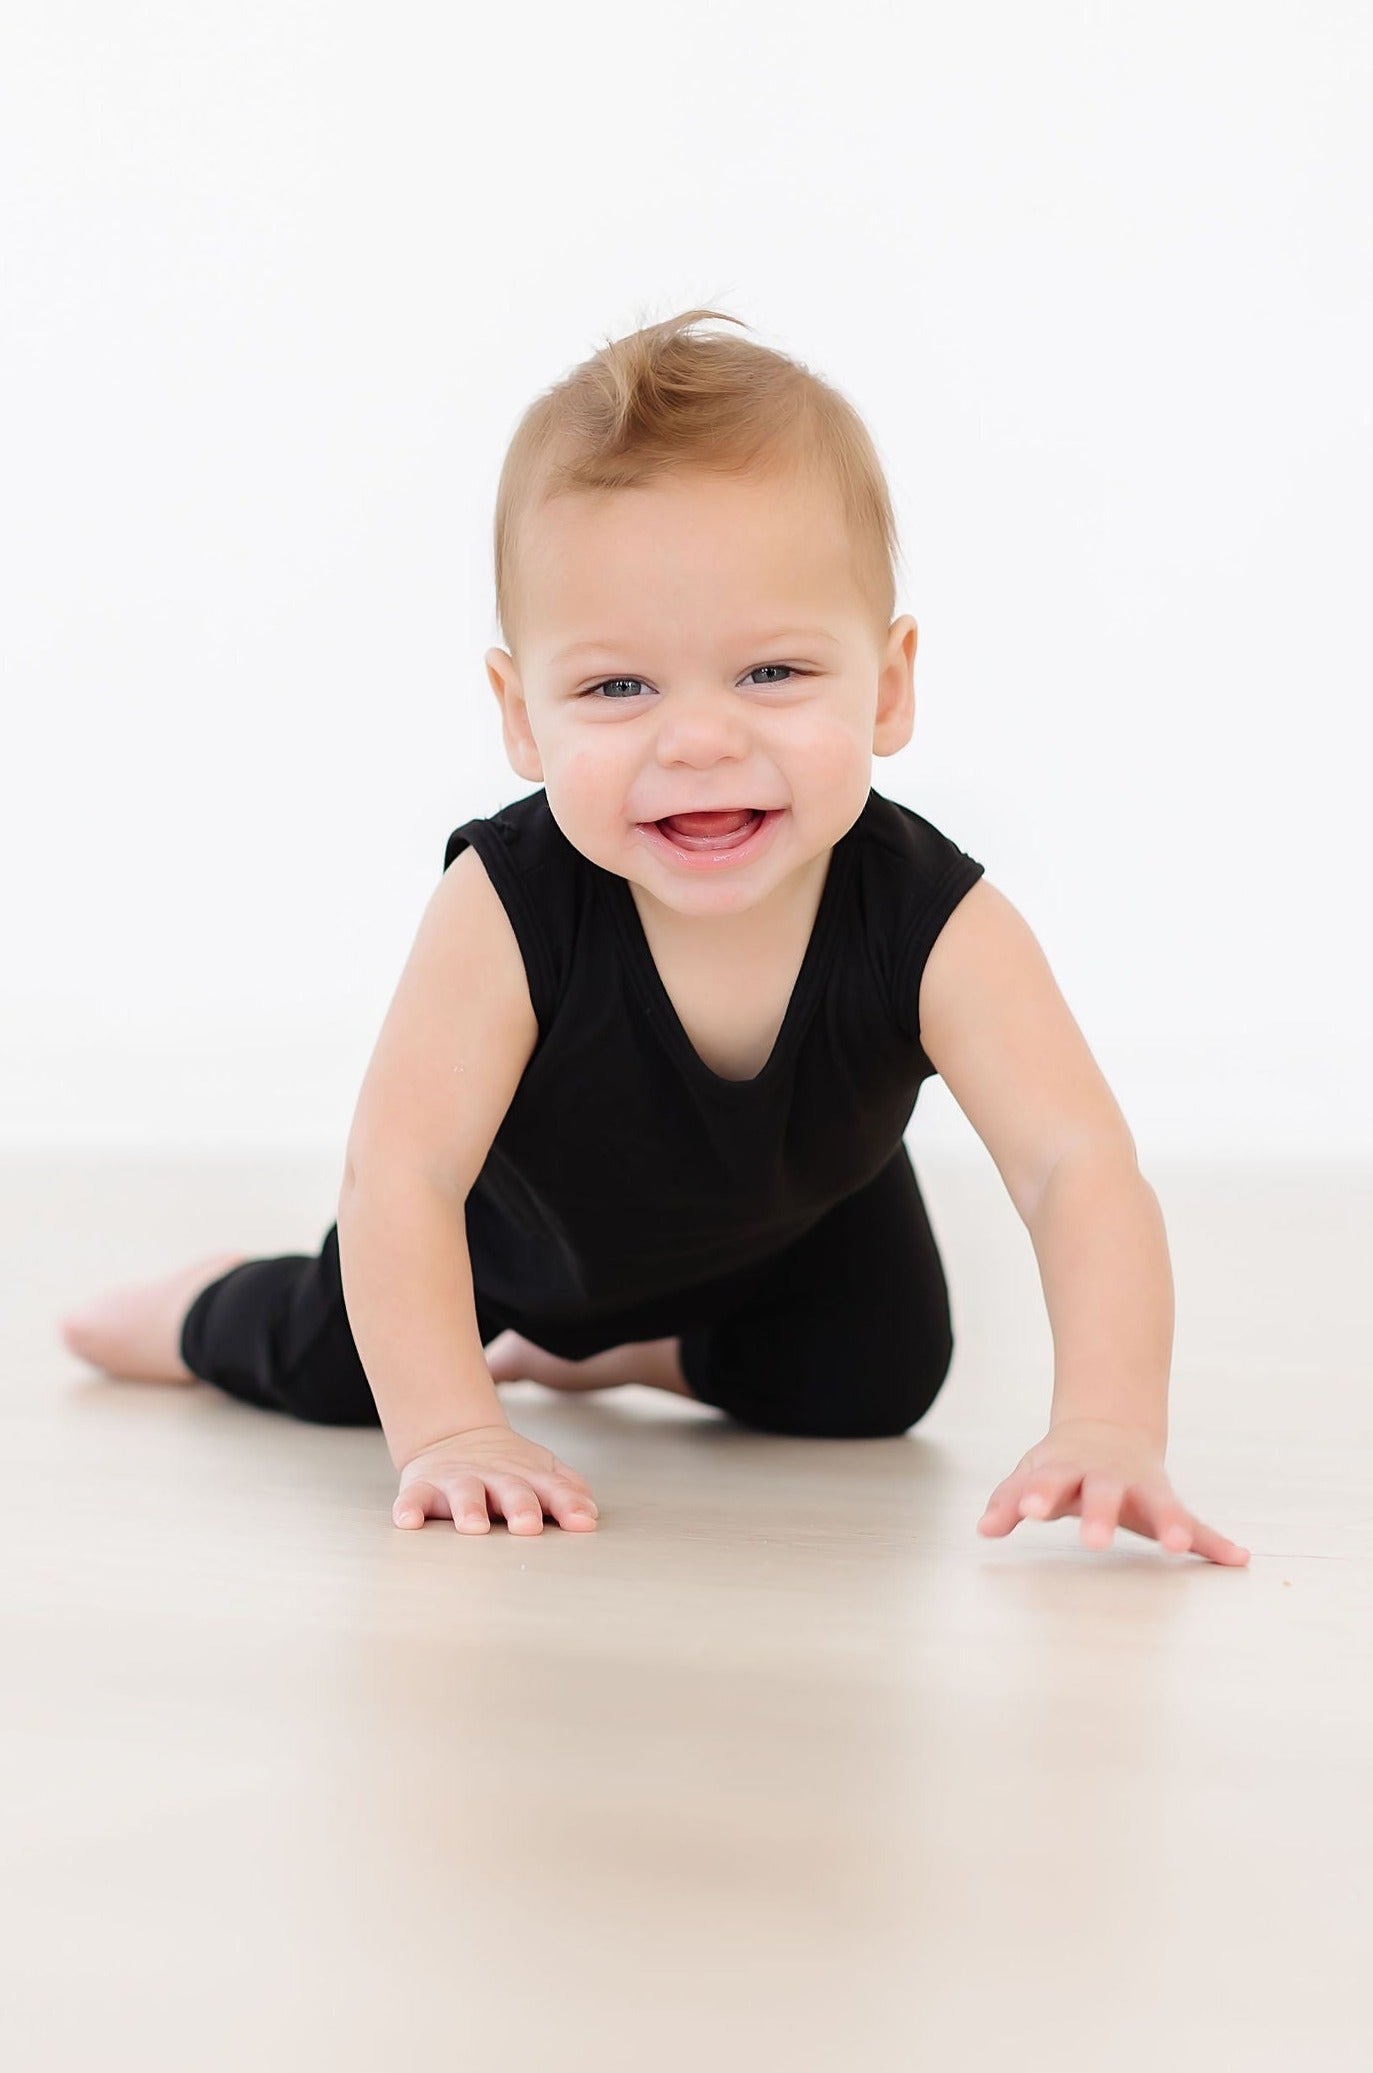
(999, 1033)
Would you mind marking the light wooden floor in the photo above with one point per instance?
(783, 1765)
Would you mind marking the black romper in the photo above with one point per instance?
(773, 1224)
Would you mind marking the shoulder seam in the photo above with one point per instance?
(513, 890)
(959, 878)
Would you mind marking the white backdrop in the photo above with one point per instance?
(277, 280)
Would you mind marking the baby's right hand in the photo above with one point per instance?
(453, 1477)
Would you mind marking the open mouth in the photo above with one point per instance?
(713, 837)
(724, 829)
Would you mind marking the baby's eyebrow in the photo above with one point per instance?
(757, 640)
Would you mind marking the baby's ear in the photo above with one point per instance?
(894, 719)
(521, 749)
(500, 671)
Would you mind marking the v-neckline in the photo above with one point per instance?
(644, 970)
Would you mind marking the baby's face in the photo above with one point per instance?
(696, 644)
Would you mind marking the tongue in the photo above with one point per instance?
(710, 823)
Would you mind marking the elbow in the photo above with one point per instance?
(1110, 1150)
(395, 1180)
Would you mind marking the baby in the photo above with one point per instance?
(636, 1110)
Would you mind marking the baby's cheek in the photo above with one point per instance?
(830, 771)
(588, 798)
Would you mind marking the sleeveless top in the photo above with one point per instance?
(626, 1169)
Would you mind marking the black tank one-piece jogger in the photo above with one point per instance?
(775, 1225)
(845, 1334)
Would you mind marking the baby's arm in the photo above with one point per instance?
(407, 1283)
(1000, 1034)
(450, 1055)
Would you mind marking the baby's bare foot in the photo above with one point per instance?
(511, 1358)
(135, 1332)
(656, 1362)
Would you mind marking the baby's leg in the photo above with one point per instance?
(272, 1332)
(135, 1332)
(275, 1333)
(847, 1334)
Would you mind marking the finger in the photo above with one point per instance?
(1157, 1511)
(1048, 1491)
(466, 1497)
(1177, 1531)
(1006, 1505)
(1214, 1546)
(566, 1498)
(1101, 1499)
(522, 1508)
(1002, 1512)
(569, 1502)
(417, 1502)
(460, 1498)
(1031, 1494)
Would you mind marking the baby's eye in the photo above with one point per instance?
(610, 685)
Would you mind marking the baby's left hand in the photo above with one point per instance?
(1106, 1474)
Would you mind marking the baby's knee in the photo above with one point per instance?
(886, 1421)
(867, 1402)
(889, 1398)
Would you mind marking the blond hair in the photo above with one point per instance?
(668, 400)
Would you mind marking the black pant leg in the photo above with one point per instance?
(848, 1334)
(275, 1333)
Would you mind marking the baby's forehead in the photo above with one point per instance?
(601, 573)
(625, 603)
(763, 527)
(766, 631)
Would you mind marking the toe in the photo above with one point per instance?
(74, 1335)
